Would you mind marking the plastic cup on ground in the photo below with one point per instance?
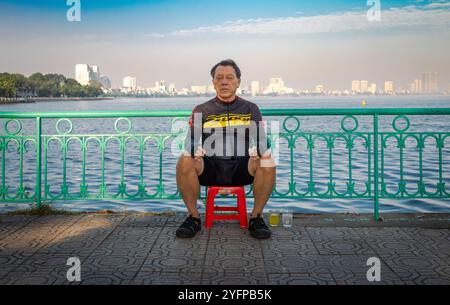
(287, 218)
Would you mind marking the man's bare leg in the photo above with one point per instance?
(263, 183)
(188, 170)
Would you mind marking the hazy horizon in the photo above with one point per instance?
(325, 42)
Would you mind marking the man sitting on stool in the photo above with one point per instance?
(226, 124)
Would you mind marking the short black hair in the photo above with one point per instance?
(227, 62)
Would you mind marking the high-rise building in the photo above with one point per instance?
(389, 87)
(430, 82)
(372, 88)
(85, 73)
(105, 82)
(211, 89)
(320, 88)
(95, 73)
(416, 86)
(276, 85)
(199, 89)
(172, 89)
(364, 86)
(356, 86)
(129, 83)
(360, 86)
(255, 88)
(160, 87)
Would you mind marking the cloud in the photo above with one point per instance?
(437, 5)
(433, 15)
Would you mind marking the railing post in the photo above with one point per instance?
(38, 161)
(375, 166)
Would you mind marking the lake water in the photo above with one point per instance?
(301, 172)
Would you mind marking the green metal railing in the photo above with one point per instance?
(375, 143)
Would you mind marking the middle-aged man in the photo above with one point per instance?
(225, 125)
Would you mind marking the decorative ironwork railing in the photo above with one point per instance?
(356, 160)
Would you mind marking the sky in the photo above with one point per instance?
(304, 42)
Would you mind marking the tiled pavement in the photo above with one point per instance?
(142, 249)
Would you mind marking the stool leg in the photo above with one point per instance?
(242, 206)
(209, 215)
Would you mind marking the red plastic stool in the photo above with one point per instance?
(241, 207)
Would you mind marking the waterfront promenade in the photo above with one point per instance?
(141, 249)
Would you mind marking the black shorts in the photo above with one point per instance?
(226, 172)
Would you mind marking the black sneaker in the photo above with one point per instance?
(189, 227)
(258, 228)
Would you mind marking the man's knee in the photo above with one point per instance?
(187, 164)
(267, 161)
(266, 171)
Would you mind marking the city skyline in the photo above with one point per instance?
(325, 43)
(84, 73)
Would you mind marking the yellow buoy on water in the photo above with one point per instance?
(363, 103)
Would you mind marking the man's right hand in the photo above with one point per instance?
(253, 153)
(199, 153)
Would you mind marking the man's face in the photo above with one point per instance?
(226, 82)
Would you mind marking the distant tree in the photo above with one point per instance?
(7, 85)
(36, 78)
(48, 85)
(94, 88)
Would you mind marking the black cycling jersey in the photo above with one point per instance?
(226, 130)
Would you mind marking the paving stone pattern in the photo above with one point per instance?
(139, 249)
